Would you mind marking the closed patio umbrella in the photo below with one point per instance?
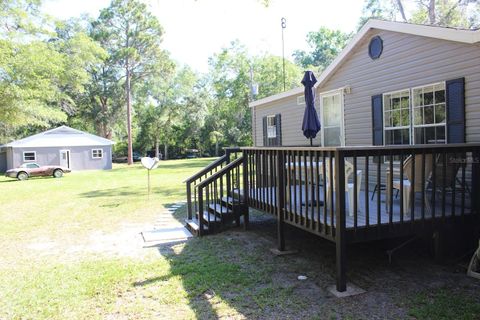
(311, 123)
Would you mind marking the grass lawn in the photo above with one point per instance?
(70, 250)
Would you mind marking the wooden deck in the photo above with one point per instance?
(365, 217)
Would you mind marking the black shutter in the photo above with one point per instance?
(278, 124)
(265, 136)
(455, 97)
(377, 120)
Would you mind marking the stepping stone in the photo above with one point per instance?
(166, 234)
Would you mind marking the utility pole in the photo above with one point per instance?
(284, 25)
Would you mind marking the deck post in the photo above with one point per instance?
(340, 238)
(280, 199)
(189, 200)
(200, 211)
(476, 182)
(246, 190)
(229, 184)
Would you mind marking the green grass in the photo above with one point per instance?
(226, 275)
(203, 278)
(444, 304)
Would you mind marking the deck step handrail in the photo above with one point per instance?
(222, 172)
(212, 168)
(218, 196)
(216, 163)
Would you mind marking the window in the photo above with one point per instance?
(396, 117)
(272, 130)
(332, 119)
(32, 166)
(301, 100)
(271, 127)
(97, 153)
(29, 156)
(429, 116)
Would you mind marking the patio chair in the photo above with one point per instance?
(451, 181)
(418, 186)
(349, 186)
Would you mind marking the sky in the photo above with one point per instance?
(196, 29)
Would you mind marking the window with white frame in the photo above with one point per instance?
(271, 127)
(97, 153)
(332, 118)
(396, 117)
(29, 156)
(429, 115)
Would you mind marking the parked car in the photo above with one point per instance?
(124, 159)
(33, 169)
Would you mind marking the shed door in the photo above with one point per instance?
(65, 158)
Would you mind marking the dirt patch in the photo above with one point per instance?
(390, 288)
(127, 241)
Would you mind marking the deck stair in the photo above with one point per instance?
(213, 201)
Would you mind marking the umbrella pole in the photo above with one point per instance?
(311, 142)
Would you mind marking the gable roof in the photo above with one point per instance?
(444, 33)
(60, 137)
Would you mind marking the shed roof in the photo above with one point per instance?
(450, 34)
(60, 137)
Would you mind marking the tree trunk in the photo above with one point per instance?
(157, 149)
(216, 147)
(129, 114)
(165, 152)
(402, 10)
(431, 12)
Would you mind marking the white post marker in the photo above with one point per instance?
(149, 164)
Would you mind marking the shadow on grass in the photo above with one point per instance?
(10, 180)
(162, 191)
(233, 274)
(114, 192)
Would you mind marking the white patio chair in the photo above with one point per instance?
(349, 186)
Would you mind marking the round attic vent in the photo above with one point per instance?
(375, 47)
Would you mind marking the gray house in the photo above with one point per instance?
(394, 83)
(397, 156)
(63, 146)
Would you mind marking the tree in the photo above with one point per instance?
(175, 106)
(325, 45)
(229, 79)
(40, 71)
(449, 13)
(133, 35)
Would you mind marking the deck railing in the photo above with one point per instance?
(412, 184)
(212, 168)
(350, 194)
(219, 197)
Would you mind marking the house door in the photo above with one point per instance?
(331, 117)
(65, 158)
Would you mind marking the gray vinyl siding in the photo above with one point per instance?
(3, 161)
(80, 157)
(292, 117)
(9, 158)
(407, 61)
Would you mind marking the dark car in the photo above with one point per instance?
(33, 169)
(124, 159)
